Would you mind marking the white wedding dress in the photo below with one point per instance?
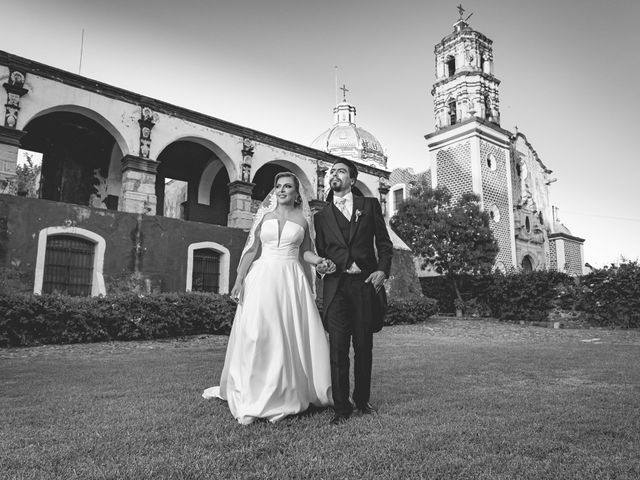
(277, 360)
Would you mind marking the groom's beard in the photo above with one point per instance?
(338, 186)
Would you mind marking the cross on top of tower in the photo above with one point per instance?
(344, 92)
(461, 10)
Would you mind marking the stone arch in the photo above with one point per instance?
(363, 189)
(222, 155)
(92, 115)
(192, 181)
(528, 263)
(81, 151)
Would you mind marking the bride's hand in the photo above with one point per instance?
(236, 292)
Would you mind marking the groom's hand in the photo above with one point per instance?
(326, 267)
(376, 279)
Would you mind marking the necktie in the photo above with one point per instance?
(341, 203)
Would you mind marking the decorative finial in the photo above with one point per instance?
(461, 11)
(344, 92)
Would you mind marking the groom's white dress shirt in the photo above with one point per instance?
(345, 204)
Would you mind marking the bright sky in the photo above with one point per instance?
(570, 72)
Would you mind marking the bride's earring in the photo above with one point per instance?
(297, 201)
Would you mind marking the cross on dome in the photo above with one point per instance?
(344, 92)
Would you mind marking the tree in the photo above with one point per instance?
(452, 238)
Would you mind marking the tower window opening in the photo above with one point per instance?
(453, 117)
(527, 224)
(451, 66)
(487, 108)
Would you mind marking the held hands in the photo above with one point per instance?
(376, 279)
(325, 266)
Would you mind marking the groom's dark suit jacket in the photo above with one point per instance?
(365, 236)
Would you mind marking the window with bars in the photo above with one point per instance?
(68, 265)
(206, 271)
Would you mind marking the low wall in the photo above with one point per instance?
(158, 245)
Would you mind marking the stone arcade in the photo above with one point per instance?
(114, 163)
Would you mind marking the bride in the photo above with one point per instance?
(277, 360)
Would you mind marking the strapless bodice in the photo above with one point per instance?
(287, 245)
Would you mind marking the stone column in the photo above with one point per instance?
(138, 185)
(9, 136)
(9, 145)
(321, 171)
(383, 190)
(240, 215)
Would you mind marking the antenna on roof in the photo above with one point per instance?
(335, 67)
(81, 49)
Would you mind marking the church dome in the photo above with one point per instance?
(347, 140)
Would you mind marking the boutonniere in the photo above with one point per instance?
(358, 213)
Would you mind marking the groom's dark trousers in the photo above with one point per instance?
(350, 308)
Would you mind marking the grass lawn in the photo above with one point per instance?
(458, 399)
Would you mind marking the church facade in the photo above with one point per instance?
(471, 152)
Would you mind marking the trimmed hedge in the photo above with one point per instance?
(36, 319)
(27, 319)
(605, 297)
(410, 310)
(527, 296)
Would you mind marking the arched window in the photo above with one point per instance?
(69, 261)
(451, 65)
(453, 114)
(527, 224)
(207, 268)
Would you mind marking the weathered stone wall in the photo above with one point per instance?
(163, 242)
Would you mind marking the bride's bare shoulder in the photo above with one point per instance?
(298, 218)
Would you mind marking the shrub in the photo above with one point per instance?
(611, 295)
(528, 296)
(27, 319)
(35, 319)
(410, 310)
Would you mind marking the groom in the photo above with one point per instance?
(348, 232)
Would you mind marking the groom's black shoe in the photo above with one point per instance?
(366, 409)
(339, 419)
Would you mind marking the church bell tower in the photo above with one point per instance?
(469, 151)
